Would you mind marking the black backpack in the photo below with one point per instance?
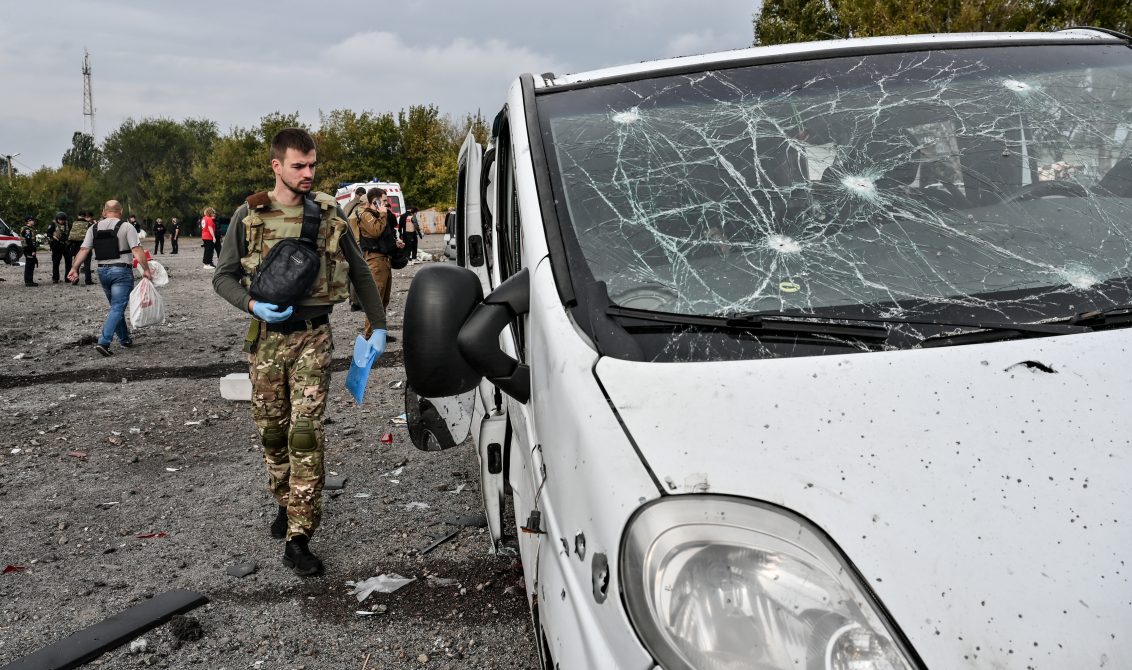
(387, 244)
(106, 243)
(289, 271)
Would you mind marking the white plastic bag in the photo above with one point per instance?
(145, 305)
(160, 276)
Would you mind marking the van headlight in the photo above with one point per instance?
(717, 582)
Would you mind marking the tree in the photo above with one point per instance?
(786, 21)
(149, 166)
(358, 147)
(84, 153)
(782, 21)
(426, 144)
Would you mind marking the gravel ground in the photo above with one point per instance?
(98, 453)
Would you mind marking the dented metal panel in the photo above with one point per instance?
(985, 500)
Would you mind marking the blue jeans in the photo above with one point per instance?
(117, 282)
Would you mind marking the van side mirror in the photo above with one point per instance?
(440, 300)
(452, 333)
(478, 339)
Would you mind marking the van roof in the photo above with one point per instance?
(824, 49)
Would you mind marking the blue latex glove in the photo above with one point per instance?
(377, 341)
(265, 311)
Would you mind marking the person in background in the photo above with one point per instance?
(411, 231)
(290, 345)
(133, 220)
(57, 233)
(158, 236)
(74, 243)
(174, 234)
(208, 237)
(377, 235)
(116, 244)
(358, 199)
(30, 247)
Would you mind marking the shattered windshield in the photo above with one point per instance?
(998, 179)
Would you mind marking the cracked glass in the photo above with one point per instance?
(928, 187)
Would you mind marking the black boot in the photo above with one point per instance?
(299, 558)
(279, 526)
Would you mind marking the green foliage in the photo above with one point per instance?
(149, 164)
(83, 154)
(787, 21)
(160, 167)
(784, 21)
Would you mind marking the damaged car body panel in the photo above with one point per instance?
(807, 354)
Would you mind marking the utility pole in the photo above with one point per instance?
(10, 157)
(88, 96)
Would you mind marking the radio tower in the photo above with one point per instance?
(88, 97)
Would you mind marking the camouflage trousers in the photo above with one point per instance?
(382, 273)
(290, 375)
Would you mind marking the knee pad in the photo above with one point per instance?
(306, 434)
(274, 436)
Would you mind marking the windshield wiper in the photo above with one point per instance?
(1104, 318)
(775, 324)
(982, 331)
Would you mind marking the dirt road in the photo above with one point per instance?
(124, 477)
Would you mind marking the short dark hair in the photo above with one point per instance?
(291, 138)
(374, 193)
(361, 190)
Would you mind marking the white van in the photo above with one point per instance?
(392, 190)
(808, 356)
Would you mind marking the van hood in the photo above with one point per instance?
(983, 491)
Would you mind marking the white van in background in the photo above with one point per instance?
(392, 189)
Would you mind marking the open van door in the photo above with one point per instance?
(441, 423)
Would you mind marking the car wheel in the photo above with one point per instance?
(435, 434)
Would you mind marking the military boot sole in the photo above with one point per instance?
(304, 571)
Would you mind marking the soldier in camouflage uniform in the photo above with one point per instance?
(290, 346)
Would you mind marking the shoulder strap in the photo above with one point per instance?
(312, 220)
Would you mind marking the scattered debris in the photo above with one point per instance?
(77, 454)
(193, 423)
(147, 536)
(387, 438)
(115, 440)
(423, 658)
(14, 568)
(376, 609)
(241, 570)
(435, 581)
(467, 521)
(459, 489)
(397, 384)
(416, 505)
(334, 483)
(139, 646)
(380, 584)
(362, 495)
(401, 420)
(16, 451)
(108, 504)
(172, 469)
(395, 472)
(185, 629)
(438, 541)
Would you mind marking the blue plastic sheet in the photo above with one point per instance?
(360, 365)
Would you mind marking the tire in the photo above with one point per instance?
(12, 255)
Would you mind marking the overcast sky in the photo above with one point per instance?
(233, 62)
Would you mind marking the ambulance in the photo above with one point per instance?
(392, 190)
